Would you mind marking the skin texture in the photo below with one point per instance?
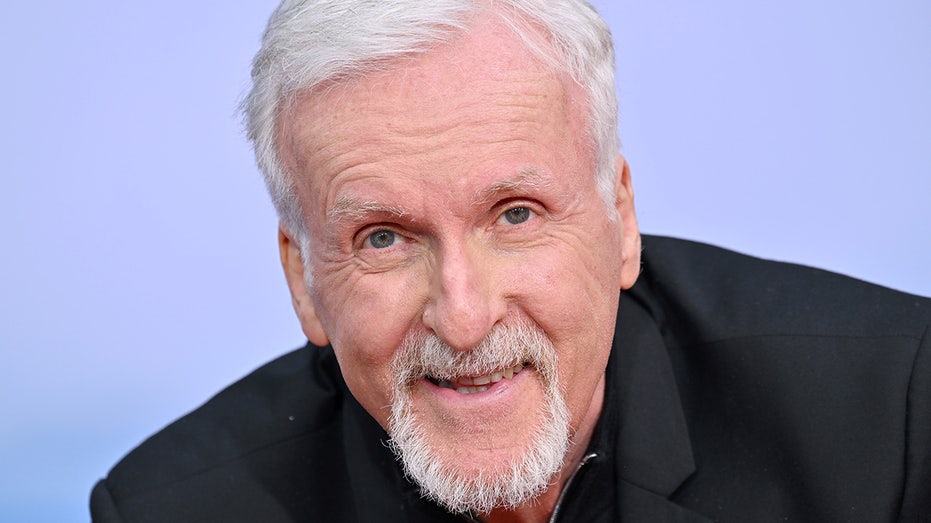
(440, 151)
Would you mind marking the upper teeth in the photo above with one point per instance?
(471, 385)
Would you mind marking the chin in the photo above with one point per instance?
(479, 472)
(474, 446)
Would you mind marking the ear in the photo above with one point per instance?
(294, 267)
(627, 223)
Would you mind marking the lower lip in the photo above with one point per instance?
(494, 391)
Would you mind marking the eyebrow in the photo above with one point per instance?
(527, 178)
(351, 208)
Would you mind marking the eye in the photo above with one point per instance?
(517, 215)
(381, 239)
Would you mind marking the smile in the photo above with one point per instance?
(473, 384)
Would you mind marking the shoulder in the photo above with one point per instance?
(732, 294)
(249, 430)
(290, 395)
(791, 375)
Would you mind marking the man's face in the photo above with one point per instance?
(453, 194)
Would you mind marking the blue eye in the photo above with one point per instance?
(381, 239)
(517, 215)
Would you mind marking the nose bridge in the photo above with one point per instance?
(466, 300)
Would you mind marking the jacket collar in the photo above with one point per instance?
(644, 421)
(652, 440)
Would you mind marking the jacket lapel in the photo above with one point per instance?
(653, 450)
(640, 505)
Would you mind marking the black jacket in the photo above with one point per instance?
(738, 390)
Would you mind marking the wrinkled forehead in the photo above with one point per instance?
(491, 59)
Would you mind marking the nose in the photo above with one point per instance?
(466, 297)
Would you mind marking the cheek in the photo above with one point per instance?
(573, 296)
(366, 325)
(571, 287)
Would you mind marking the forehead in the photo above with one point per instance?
(487, 88)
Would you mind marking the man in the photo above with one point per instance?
(459, 238)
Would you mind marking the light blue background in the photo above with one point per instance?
(139, 263)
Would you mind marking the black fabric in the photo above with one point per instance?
(738, 390)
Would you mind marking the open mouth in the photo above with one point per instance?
(473, 384)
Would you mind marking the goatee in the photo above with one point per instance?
(443, 479)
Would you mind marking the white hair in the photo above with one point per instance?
(309, 43)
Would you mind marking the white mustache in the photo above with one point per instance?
(506, 345)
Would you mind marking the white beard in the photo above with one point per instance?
(513, 484)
